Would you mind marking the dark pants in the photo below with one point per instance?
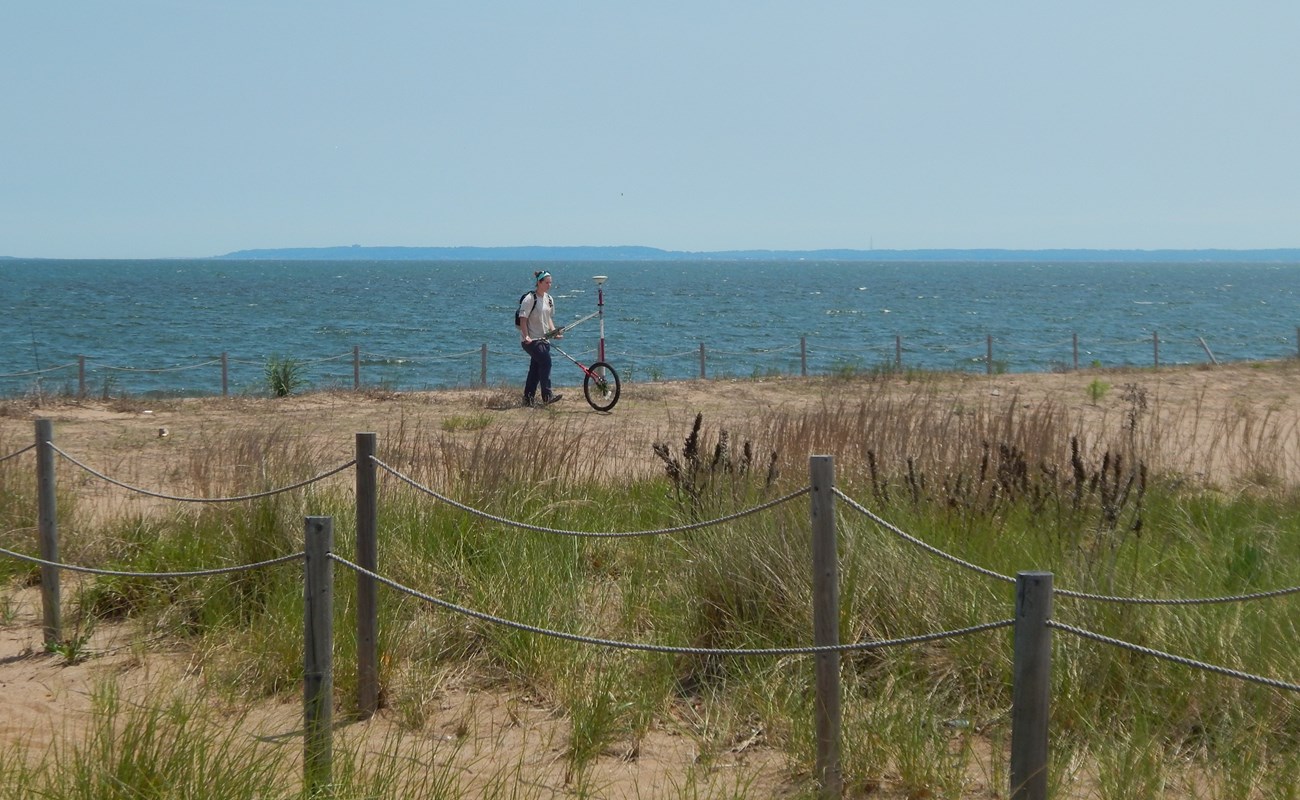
(539, 371)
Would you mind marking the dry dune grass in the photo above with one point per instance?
(1233, 428)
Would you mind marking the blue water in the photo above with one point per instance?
(158, 326)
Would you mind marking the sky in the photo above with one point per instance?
(162, 128)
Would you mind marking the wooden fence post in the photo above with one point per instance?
(826, 624)
(988, 356)
(1155, 347)
(367, 557)
(701, 360)
(1207, 350)
(1076, 351)
(482, 365)
(898, 352)
(318, 657)
(81, 376)
(803, 356)
(1031, 686)
(356, 367)
(225, 375)
(47, 525)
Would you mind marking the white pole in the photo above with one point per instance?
(600, 309)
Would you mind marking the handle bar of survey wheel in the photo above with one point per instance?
(564, 328)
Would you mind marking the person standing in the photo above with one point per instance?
(537, 318)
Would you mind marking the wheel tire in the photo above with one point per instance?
(601, 386)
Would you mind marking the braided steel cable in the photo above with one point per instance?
(1100, 598)
(39, 371)
(586, 534)
(327, 358)
(179, 499)
(17, 453)
(659, 648)
(125, 574)
(1187, 662)
(417, 359)
(897, 531)
(159, 369)
(1178, 601)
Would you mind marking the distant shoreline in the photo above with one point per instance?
(643, 254)
(635, 253)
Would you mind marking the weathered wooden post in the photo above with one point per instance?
(48, 529)
(356, 367)
(1207, 350)
(367, 557)
(898, 353)
(1076, 351)
(81, 376)
(803, 356)
(482, 365)
(988, 356)
(225, 375)
(1155, 347)
(826, 624)
(1031, 686)
(701, 360)
(318, 657)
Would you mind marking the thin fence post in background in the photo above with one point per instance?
(367, 557)
(1076, 351)
(356, 367)
(701, 360)
(803, 356)
(1155, 347)
(1206, 348)
(1297, 341)
(81, 376)
(225, 375)
(826, 624)
(48, 528)
(482, 365)
(1031, 686)
(988, 355)
(898, 352)
(318, 656)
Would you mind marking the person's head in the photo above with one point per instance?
(543, 280)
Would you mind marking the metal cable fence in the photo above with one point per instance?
(453, 368)
(820, 492)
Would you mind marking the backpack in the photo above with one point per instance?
(519, 309)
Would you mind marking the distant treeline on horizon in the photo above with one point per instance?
(638, 253)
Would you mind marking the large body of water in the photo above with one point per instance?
(161, 326)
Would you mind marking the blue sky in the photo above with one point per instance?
(148, 128)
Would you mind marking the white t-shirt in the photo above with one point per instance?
(539, 317)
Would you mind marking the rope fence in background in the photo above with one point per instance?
(993, 355)
(1033, 620)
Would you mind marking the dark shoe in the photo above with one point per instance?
(555, 398)
(529, 402)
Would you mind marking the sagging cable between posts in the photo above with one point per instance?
(124, 574)
(588, 534)
(237, 498)
(1187, 662)
(656, 648)
(1100, 598)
